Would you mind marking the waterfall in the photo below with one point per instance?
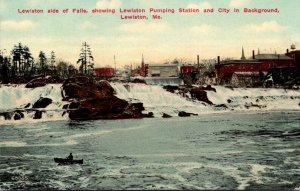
(14, 97)
(158, 100)
(17, 96)
(163, 80)
(155, 99)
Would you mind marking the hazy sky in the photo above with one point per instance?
(174, 36)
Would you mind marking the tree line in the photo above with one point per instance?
(20, 65)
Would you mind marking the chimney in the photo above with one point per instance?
(253, 54)
(218, 60)
(287, 51)
(198, 63)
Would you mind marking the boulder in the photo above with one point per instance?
(208, 88)
(85, 88)
(248, 105)
(185, 114)
(96, 100)
(7, 115)
(201, 95)
(139, 106)
(37, 82)
(20, 112)
(221, 106)
(74, 105)
(17, 116)
(27, 105)
(38, 115)
(139, 81)
(171, 88)
(65, 106)
(42, 103)
(149, 115)
(166, 115)
(105, 108)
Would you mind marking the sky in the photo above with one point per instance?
(181, 36)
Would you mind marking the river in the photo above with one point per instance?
(232, 150)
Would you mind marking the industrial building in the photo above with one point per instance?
(104, 72)
(251, 72)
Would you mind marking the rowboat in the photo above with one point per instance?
(67, 161)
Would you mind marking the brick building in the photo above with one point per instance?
(104, 72)
(251, 72)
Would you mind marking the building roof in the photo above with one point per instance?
(162, 65)
(249, 61)
(272, 57)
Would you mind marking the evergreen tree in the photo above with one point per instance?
(43, 62)
(52, 62)
(85, 59)
(71, 70)
(22, 60)
(28, 60)
(17, 53)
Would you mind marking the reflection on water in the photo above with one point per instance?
(225, 151)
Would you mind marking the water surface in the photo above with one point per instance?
(214, 151)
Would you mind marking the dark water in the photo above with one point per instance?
(220, 151)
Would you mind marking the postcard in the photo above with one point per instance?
(149, 94)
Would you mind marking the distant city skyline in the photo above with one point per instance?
(174, 36)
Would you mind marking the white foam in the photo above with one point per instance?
(158, 100)
(12, 144)
(257, 168)
(154, 98)
(23, 144)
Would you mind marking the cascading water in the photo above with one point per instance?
(160, 80)
(12, 97)
(155, 99)
(163, 80)
(18, 97)
(158, 100)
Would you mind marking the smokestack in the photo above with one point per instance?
(253, 54)
(198, 63)
(287, 51)
(218, 59)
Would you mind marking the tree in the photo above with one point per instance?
(28, 60)
(3, 68)
(85, 59)
(17, 52)
(52, 62)
(22, 59)
(43, 62)
(71, 70)
(62, 68)
(1, 60)
(207, 65)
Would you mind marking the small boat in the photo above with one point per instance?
(67, 161)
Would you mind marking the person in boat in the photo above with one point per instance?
(70, 157)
